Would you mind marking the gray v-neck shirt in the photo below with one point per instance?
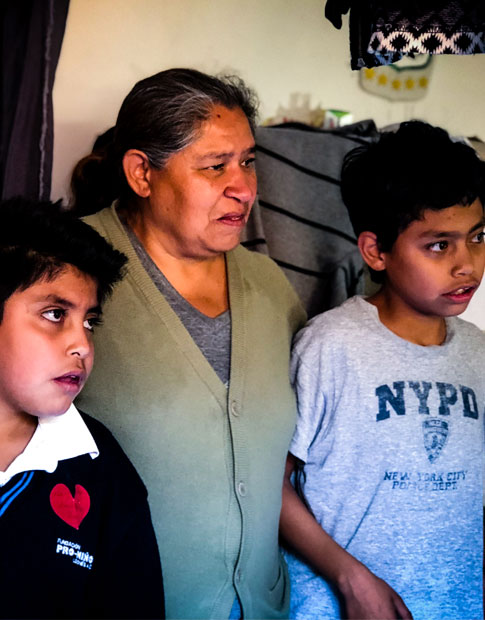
(211, 335)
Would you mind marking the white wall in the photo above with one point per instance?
(280, 47)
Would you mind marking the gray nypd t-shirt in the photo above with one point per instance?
(392, 437)
(211, 335)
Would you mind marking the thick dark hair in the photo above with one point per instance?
(160, 116)
(38, 240)
(388, 184)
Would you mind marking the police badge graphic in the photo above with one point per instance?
(435, 432)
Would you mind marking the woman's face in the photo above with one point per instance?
(200, 202)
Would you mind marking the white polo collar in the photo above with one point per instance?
(55, 439)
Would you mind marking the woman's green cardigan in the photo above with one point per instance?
(212, 458)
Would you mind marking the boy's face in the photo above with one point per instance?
(46, 346)
(437, 262)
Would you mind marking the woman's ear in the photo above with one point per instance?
(137, 172)
(370, 250)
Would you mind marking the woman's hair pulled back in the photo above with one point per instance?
(160, 116)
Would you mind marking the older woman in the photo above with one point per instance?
(191, 368)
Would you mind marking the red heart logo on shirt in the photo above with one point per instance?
(70, 509)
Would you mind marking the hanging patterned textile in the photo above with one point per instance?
(384, 31)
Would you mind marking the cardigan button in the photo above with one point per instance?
(241, 487)
(234, 410)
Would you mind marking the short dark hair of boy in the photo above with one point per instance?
(39, 239)
(388, 184)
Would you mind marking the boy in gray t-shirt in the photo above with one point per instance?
(387, 455)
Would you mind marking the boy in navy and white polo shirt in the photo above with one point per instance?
(76, 536)
(388, 448)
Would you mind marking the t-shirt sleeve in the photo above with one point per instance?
(311, 378)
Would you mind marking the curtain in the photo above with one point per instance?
(31, 38)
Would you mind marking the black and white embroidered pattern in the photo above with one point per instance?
(383, 31)
(455, 28)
